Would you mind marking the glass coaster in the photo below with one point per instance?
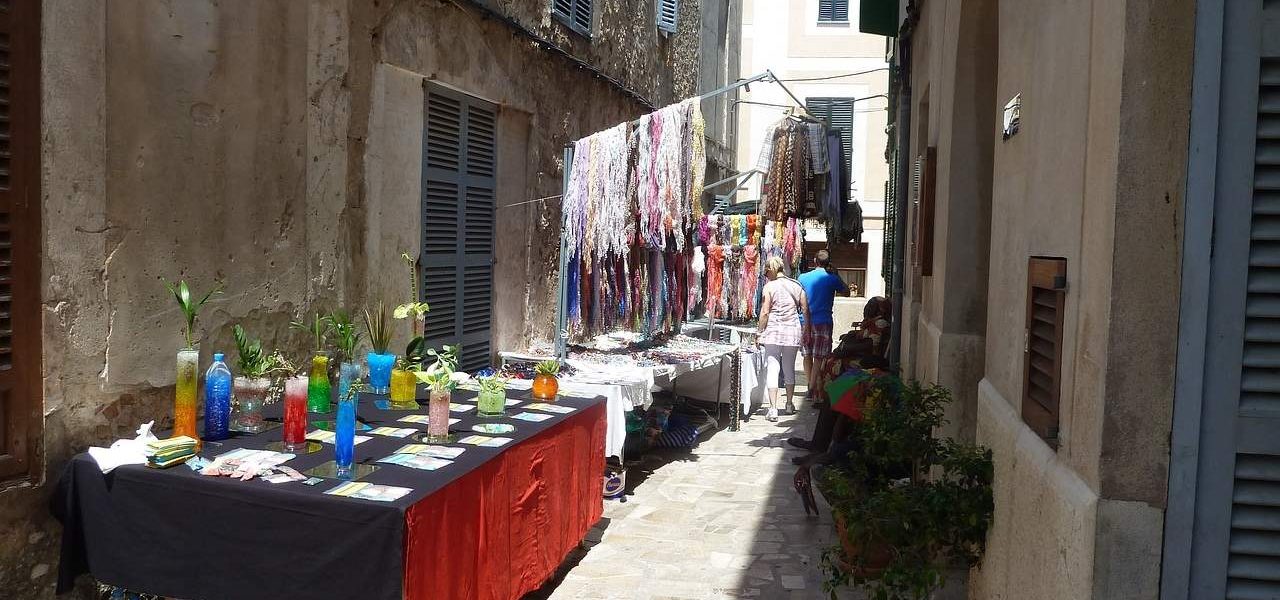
(427, 439)
(329, 470)
(493, 428)
(389, 405)
(308, 449)
(266, 426)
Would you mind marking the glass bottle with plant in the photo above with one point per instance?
(545, 384)
(439, 376)
(907, 505)
(318, 387)
(492, 402)
(188, 374)
(379, 360)
(344, 430)
(346, 337)
(258, 375)
(404, 391)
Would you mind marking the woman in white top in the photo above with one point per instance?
(780, 331)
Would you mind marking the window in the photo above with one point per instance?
(667, 11)
(21, 396)
(837, 113)
(926, 182)
(833, 11)
(1042, 371)
(458, 191)
(574, 13)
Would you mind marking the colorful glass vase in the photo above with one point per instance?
(344, 430)
(348, 373)
(491, 405)
(380, 366)
(545, 387)
(318, 384)
(217, 400)
(438, 416)
(184, 394)
(250, 395)
(404, 389)
(295, 414)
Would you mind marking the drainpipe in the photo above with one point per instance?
(903, 126)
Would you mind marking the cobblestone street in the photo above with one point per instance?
(722, 521)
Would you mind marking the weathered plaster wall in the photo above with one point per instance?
(275, 146)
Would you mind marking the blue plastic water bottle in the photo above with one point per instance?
(217, 400)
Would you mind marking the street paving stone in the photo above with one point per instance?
(720, 521)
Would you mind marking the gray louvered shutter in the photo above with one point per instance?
(574, 13)
(833, 11)
(838, 115)
(1254, 565)
(667, 11)
(458, 191)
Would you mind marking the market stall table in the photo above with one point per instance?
(495, 524)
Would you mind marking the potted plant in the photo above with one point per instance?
(908, 506)
(318, 382)
(439, 376)
(344, 430)
(254, 385)
(379, 360)
(403, 381)
(188, 376)
(346, 337)
(545, 384)
(492, 402)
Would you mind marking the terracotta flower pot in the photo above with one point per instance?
(861, 561)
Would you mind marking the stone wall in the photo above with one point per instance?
(275, 146)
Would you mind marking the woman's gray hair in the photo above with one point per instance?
(775, 265)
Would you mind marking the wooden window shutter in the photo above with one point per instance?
(21, 397)
(833, 11)
(667, 13)
(458, 221)
(1042, 355)
(928, 187)
(837, 113)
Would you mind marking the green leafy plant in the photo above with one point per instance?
(379, 330)
(494, 384)
(916, 503)
(547, 367)
(413, 309)
(254, 362)
(190, 308)
(440, 374)
(318, 329)
(345, 335)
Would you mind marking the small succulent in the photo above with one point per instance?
(494, 384)
(547, 367)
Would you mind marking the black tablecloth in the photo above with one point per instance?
(170, 531)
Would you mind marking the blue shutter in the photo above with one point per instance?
(667, 12)
(458, 207)
(833, 11)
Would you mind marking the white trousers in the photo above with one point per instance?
(779, 357)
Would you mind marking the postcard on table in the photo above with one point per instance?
(394, 432)
(555, 408)
(534, 417)
(424, 419)
(328, 437)
(485, 441)
(417, 461)
(369, 491)
(461, 408)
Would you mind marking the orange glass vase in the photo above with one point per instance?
(545, 387)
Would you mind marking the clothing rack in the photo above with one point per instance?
(562, 317)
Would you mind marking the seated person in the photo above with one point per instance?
(868, 340)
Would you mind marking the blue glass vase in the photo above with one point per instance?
(344, 443)
(380, 371)
(348, 373)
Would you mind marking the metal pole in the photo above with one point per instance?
(774, 79)
(562, 309)
(737, 84)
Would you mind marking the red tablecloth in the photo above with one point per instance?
(501, 530)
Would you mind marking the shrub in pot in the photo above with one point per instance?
(908, 505)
